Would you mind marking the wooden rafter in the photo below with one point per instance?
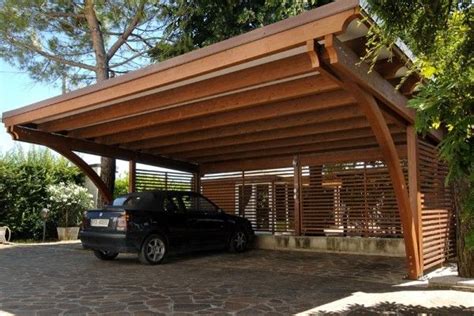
(126, 115)
(363, 142)
(241, 100)
(36, 137)
(319, 126)
(250, 127)
(276, 142)
(348, 64)
(368, 154)
(265, 111)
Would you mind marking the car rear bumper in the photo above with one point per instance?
(114, 242)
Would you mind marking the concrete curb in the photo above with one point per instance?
(452, 282)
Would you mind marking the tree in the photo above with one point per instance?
(440, 35)
(191, 24)
(79, 41)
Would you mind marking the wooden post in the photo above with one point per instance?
(197, 182)
(414, 186)
(370, 108)
(297, 193)
(273, 209)
(366, 204)
(132, 176)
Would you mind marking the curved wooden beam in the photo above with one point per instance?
(88, 171)
(370, 108)
(343, 68)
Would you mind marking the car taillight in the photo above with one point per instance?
(122, 221)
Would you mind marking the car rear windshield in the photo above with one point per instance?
(142, 201)
(119, 201)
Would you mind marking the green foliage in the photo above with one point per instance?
(440, 34)
(192, 24)
(24, 177)
(51, 40)
(67, 202)
(121, 185)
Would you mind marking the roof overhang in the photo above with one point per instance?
(257, 98)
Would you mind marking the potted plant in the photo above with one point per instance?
(67, 203)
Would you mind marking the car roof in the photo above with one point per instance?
(157, 192)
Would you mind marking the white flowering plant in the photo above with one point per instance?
(67, 201)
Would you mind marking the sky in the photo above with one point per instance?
(17, 90)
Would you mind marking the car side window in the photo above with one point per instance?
(169, 205)
(197, 203)
(172, 203)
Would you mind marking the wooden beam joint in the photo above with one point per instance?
(88, 171)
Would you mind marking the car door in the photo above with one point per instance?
(176, 221)
(206, 223)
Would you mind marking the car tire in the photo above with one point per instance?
(238, 241)
(105, 255)
(153, 250)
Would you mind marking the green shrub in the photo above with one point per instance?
(24, 178)
(67, 203)
(121, 185)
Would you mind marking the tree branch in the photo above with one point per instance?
(51, 57)
(124, 36)
(129, 59)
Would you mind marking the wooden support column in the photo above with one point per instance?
(298, 187)
(345, 68)
(197, 182)
(414, 186)
(370, 108)
(132, 176)
(88, 171)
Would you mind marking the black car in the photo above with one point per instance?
(156, 223)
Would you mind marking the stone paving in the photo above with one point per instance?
(65, 279)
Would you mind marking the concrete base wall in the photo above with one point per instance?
(393, 247)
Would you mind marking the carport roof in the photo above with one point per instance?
(255, 99)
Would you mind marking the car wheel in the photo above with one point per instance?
(153, 250)
(105, 255)
(238, 241)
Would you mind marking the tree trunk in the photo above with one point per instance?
(465, 224)
(107, 165)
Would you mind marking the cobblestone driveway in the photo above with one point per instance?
(53, 279)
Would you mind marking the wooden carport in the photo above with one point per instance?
(290, 93)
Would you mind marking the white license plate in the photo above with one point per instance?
(99, 222)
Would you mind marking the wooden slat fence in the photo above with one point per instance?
(147, 180)
(265, 197)
(351, 199)
(437, 212)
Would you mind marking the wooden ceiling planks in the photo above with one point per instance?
(118, 113)
(260, 43)
(271, 110)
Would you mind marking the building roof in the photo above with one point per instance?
(270, 93)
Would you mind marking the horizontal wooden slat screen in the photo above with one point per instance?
(147, 180)
(351, 199)
(438, 219)
(265, 197)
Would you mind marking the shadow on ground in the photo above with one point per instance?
(53, 279)
(390, 308)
